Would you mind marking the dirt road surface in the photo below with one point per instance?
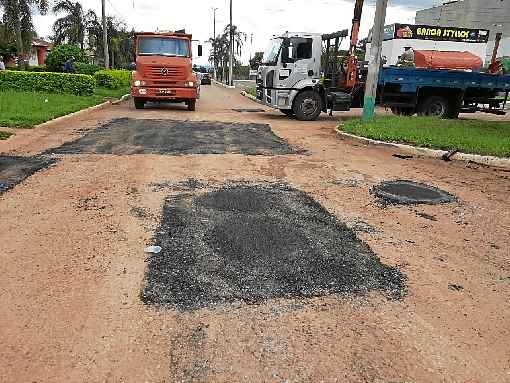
(74, 272)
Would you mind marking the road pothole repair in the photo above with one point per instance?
(410, 192)
(132, 136)
(14, 170)
(249, 243)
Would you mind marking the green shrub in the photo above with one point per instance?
(113, 79)
(78, 84)
(60, 54)
(89, 69)
(37, 68)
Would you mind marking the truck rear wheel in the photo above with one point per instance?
(436, 106)
(192, 105)
(139, 103)
(307, 105)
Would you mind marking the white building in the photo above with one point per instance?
(493, 15)
(397, 37)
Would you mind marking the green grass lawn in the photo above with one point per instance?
(252, 91)
(4, 135)
(26, 109)
(468, 136)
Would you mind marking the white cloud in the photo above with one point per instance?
(262, 18)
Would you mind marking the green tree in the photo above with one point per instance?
(18, 18)
(72, 27)
(256, 60)
(120, 41)
(7, 42)
(222, 46)
(60, 54)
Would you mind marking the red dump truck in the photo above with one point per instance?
(163, 69)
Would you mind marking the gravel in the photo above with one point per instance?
(127, 136)
(251, 243)
(14, 170)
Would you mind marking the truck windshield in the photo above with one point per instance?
(272, 51)
(163, 46)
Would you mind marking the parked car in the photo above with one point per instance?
(203, 74)
(206, 78)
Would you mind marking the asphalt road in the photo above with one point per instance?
(278, 263)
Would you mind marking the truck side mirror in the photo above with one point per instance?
(132, 66)
(200, 49)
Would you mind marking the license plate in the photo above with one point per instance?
(168, 92)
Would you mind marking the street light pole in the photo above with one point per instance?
(214, 43)
(251, 46)
(375, 60)
(105, 36)
(231, 69)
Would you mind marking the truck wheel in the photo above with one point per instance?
(287, 112)
(192, 105)
(139, 103)
(307, 105)
(436, 106)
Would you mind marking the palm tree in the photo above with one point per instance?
(18, 18)
(221, 44)
(120, 40)
(239, 38)
(73, 26)
(94, 34)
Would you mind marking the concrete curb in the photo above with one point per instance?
(122, 99)
(419, 151)
(247, 95)
(83, 111)
(222, 85)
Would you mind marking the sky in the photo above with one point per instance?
(260, 18)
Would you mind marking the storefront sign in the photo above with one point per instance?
(428, 32)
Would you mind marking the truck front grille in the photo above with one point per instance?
(161, 72)
(165, 83)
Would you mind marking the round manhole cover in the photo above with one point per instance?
(409, 192)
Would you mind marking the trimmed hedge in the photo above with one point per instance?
(37, 68)
(78, 84)
(89, 69)
(113, 79)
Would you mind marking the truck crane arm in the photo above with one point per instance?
(352, 61)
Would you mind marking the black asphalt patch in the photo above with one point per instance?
(132, 136)
(410, 192)
(249, 243)
(14, 170)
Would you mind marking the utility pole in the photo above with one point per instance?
(375, 60)
(105, 37)
(251, 46)
(214, 43)
(231, 69)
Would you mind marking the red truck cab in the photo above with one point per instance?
(163, 69)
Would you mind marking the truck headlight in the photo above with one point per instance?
(191, 84)
(142, 91)
(140, 83)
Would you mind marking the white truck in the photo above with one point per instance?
(292, 77)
